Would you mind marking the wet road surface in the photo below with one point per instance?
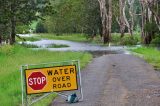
(118, 80)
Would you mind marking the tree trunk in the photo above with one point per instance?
(121, 20)
(131, 12)
(0, 39)
(106, 18)
(13, 26)
(13, 31)
(143, 22)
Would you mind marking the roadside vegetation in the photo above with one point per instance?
(150, 54)
(12, 57)
(32, 39)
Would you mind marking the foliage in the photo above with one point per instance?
(21, 12)
(115, 38)
(92, 17)
(129, 40)
(40, 28)
(151, 27)
(74, 16)
(12, 57)
(151, 55)
(22, 29)
(156, 41)
(67, 18)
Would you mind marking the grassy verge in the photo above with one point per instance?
(151, 55)
(29, 45)
(32, 39)
(12, 57)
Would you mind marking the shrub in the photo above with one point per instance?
(156, 41)
(21, 29)
(115, 38)
(129, 40)
(40, 28)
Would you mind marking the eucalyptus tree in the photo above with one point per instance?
(106, 19)
(16, 12)
(150, 15)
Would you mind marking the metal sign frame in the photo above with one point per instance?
(65, 94)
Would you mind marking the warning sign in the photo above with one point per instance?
(52, 79)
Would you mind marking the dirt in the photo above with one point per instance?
(118, 80)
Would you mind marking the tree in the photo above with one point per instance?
(22, 12)
(149, 18)
(92, 18)
(106, 19)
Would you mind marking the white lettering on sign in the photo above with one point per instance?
(35, 81)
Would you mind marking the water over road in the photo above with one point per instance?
(75, 46)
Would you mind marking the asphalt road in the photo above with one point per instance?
(118, 80)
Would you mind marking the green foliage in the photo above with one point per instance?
(156, 41)
(74, 16)
(20, 12)
(151, 27)
(92, 20)
(12, 57)
(40, 28)
(67, 18)
(22, 29)
(115, 38)
(151, 55)
(129, 40)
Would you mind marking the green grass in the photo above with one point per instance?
(29, 45)
(12, 57)
(57, 46)
(151, 55)
(70, 37)
(32, 39)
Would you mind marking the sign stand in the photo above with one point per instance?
(35, 80)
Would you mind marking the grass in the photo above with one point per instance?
(57, 46)
(70, 37)
(12, 57)
(29, 45)
(151, 55)
(32, 39)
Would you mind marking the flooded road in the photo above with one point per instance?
(77, 46)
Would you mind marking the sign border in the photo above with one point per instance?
(50, 67)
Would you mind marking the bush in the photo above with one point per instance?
(129, 40)
(22, 29)
(156, 41)
(40, 28)
(115, 38)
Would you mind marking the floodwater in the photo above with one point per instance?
(76, 46)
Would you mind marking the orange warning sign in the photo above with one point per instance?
(52, 79)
